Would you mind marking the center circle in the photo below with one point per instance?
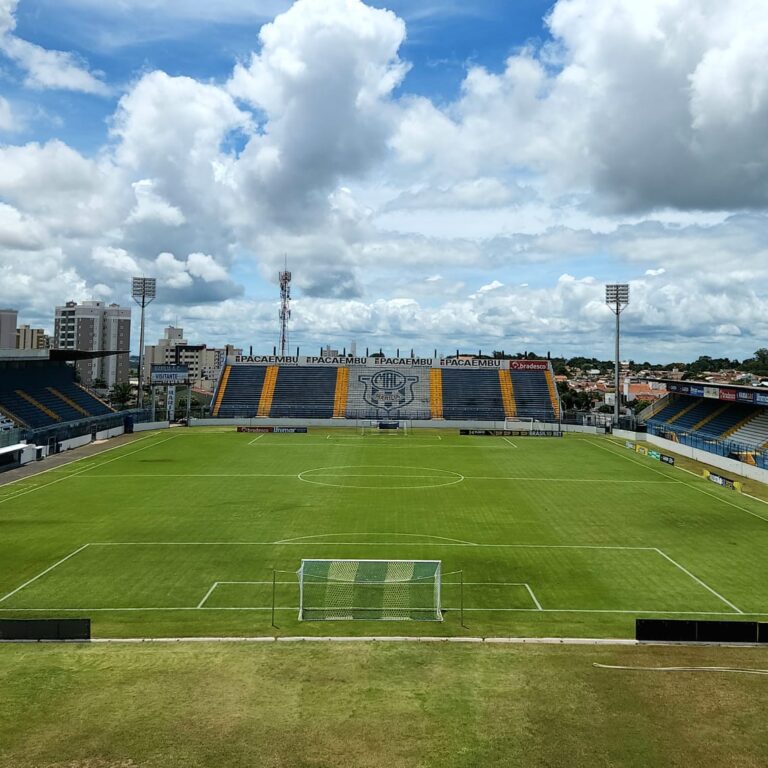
(380, 477)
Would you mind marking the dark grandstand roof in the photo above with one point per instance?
(720, 385)
(54, 355)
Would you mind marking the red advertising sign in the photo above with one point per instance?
(727, 394)
(528, 365)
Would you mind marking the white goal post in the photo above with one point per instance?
(384, 426)
(372, 590)
(519, 424)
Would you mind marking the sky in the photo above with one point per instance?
(438, 174)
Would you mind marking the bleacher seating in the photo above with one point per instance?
(532, 396)
(727, 420)
(241, 397)
(470, 394)
(28, 393)
(701, 409)
(674, 406)
(304, 392)
(359, 408)
(754, 433)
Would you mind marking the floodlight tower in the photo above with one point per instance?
(617, 298)
(143, 292)
(285, 307)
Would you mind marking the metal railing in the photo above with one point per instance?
(730, 449)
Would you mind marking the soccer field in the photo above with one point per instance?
(178, 534)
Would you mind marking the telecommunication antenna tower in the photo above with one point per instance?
(285, 307)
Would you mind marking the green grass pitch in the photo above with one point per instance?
(178, 534)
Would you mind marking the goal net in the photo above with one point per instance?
(370, 590)
(519, 424)
(384, 426)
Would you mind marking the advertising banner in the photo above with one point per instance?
(712, 392)
(169, 375)
(668, 459)
(696, 390)
(629, 445)
(269, 430)
(170, 404)
(528, 365)
(510, 433)
(745, 396)
(727, 394)
(654, 455)
(724, 482)
(641, 449)
(761, 398)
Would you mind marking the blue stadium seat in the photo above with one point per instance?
(304, 392)
(241, 398)
(469, 394)
(532, 396)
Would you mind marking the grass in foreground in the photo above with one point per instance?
(328, 706)
(178, 533)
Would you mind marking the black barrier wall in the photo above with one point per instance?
(45, 629)
(670, 630)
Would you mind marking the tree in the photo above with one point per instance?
(121, 395)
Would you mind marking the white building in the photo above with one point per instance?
(94, 326)
(8, 320)
(204, 363)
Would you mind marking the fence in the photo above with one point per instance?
(727, 448)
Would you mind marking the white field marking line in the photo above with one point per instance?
(698, 580)
(75, 461)
(39, 575)
(208, 594)
(217, 583)
(466, 477)
(85, 469)
(506, 439)
(448, 475)
(72, 474)
(355, 533)
(453, 609)
(361, 544)
(533, 597)
(741, 670)
(257, 438)
(687, 485)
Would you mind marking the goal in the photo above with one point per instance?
(519, 424)
(383, 426)
(372, 590)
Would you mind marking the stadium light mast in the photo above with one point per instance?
(285, 307)
(143, 292)
(617, 298)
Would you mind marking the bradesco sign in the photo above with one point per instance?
(528, 365)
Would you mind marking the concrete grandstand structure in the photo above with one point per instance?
(414, 389)
(727, 420)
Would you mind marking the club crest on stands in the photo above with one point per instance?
(388, 389)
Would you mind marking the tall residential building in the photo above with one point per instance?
(94, 326)
(205, 363)
(32, 338)
(8, 320)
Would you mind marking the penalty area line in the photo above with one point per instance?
(40, 575)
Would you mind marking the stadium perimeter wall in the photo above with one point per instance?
(347, 423)
(732, 466)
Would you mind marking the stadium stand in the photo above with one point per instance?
(304, 392)
(469, 394)
(377, 390)
(753, 434)
(370, 389)
(239, 394)
(37, 396)
(533, 396)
